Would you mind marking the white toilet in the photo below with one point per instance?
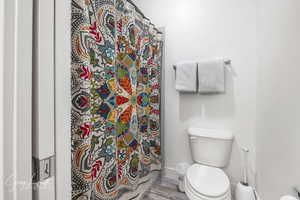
(211, 150)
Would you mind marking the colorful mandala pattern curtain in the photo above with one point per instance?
(116, 69)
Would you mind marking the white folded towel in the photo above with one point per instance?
(186, 76)
(211, 76)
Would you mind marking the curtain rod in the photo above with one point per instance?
(141, 13)
(137, 9)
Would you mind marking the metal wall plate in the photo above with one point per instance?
(43, 169)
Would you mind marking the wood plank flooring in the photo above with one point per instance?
(164, 189)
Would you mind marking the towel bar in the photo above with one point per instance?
(226, 62)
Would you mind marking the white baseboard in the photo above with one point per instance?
(170, 173)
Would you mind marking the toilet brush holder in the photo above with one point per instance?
(244, 192)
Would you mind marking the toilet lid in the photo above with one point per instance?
(208, 181)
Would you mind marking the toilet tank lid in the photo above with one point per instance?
(211, 133)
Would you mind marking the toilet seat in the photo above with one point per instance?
(207, 183)
(194, 195)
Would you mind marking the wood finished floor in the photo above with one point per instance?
(164, 189)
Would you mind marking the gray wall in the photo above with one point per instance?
(278, 134)
(201, 29)
(262, 37)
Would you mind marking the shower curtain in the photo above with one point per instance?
(116, 70)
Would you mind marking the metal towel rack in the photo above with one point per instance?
(226, 62)
(227, 65)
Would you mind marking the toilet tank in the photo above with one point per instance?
(210, 147)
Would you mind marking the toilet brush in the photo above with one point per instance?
(245, 166)
(243, 191)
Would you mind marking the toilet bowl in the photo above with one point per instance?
(207, 183)
(211, 149)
